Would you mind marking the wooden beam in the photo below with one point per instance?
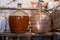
(18, 9)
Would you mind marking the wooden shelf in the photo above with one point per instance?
(24, 34)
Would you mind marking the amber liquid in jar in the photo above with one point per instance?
(18, 24)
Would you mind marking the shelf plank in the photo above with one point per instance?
(24, 34)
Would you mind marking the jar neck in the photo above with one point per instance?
(40, 6)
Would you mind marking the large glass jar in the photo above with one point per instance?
(41, 22)
(18, 22)
(56, 18)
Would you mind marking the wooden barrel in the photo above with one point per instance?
(18, 22)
